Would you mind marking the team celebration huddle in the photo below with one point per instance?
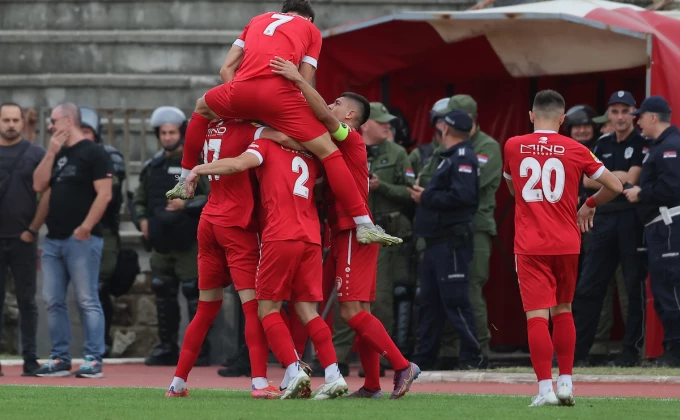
(274, 152)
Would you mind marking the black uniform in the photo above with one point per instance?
(660, 187)
(616, 238)
(444, 219)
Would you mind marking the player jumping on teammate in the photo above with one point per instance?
(545, 168)
(290, 261)
(353, 266)
(251, 91)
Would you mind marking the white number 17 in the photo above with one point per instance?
(280, 20)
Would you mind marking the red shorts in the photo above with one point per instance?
(226, 254)
(353, 268)
(275, 101)
(546, 280)
(289, 270)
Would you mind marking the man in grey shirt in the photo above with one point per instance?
(21, 219)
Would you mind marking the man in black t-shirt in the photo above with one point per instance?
(79, 173)
(20, 219)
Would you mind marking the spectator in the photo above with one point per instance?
(30, 129)
(21, 219)
(78, 172)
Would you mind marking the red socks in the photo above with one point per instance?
(298, 332)
(323, 341)
(371, 330)
(540, 347)
(195, 335)
(279, 339)
(341, 182)
(370, 361)
(255, 340)
(564, 341)
(193, 140)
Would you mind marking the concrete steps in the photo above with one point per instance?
(201, 14)
(115, 51)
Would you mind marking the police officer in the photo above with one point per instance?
(444, 219)
(659, 198)
(616, 238)
(91, 126)
(390, 171)
(169, 228)
(488, 153)
(422, 153)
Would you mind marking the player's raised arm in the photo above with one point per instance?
(231, 63)
(221, 167)
(316, 102)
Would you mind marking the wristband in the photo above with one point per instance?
(590, 202)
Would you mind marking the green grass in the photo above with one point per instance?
(68, 403)
(599, 371)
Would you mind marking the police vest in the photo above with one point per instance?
(168, 230)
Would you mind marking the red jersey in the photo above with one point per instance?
(546, 169)
(231, 202)
(270, 35)
(353, 151)
(287, 178)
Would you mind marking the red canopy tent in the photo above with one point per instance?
(502, 56)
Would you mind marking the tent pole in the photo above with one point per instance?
(648, 83)
(385, 90)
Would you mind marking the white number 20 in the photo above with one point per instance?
(531, 194)
(280, 20)
(299, 165)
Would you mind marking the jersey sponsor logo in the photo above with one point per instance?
(628, 153)
(542, 140)
(465, 168)
(542, 150)
(216, 131)
(482, 158)
(670, 154)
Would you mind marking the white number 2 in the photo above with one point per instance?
(300, 165)
(531, 194)
(215, 145)
(280, 20)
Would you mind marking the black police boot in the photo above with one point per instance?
(670, 356)
(625, 359)
(240, 366)
(164, 354)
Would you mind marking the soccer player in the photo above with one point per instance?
(354, 266)
(545, 168)
(290, 259)
(228, 251)
(253, 92)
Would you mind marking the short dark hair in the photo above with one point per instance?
(363, 107)
(301, 7)
(548, 103)
(69, 109)
(664, 118)
(13, 104)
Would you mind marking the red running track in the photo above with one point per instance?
(206, 377)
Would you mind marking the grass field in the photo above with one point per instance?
(91, 403)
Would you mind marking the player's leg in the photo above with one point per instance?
(307, 290)
(564, 330)
(212, 277)
(537, 289)
(194, 137)
(278, 264)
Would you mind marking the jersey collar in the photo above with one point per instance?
(545, 132)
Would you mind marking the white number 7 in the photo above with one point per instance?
(280, 20)
(299, 165)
